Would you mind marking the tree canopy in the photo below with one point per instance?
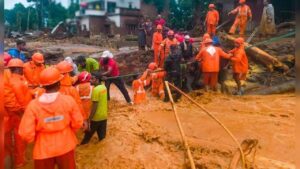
(21, 18)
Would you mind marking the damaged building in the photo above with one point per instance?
(109, 16)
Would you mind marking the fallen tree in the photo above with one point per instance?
(288, 86)
(258, 54)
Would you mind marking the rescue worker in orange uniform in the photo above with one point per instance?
(17, 96)
(165, 47)
(239, 64)
(156, 41)
(139, 93)
(209, 58)
(65, 68)
(50, 121)
(244, 15)
(157, 76)
(33, 68)
(85, 89)
(212, 20)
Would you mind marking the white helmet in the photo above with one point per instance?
(110, 55)
(105, 54)
(187, 37)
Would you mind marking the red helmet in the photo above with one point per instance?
(84, 77)
(50, 76)
(15, 63)
(159, 27)
(170, 33)
(152, 66)
(38, 58)
(211, 6)
(6, 58)
(64, 67)
(239, 40)
(242, 1)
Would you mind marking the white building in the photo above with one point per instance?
(102, 15)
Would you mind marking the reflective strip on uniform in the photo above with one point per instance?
(53, 119)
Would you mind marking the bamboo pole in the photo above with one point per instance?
(214, 118)
(192, 163)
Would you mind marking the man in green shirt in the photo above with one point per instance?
(88, 64)
(98, 117)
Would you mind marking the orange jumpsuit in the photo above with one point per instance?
(50, 121)
(165, 48)
(85, 92)
(67, 89)
(243, 13)
(139, 93)
(210, 60)
(157, 39)
(212, 20)
(32, 72)
(17, 95)
(239, 62)
(157, 87)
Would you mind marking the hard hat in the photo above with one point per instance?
(50, 76)
(205, 36)
(110, 55)
(239, 40)
(242, 1)
(170, 33)
(187, 37)
(152, 66)
(159, 27)
(64, 67)
(211, 5)
(105, 54)
(84, 77)
(208, 40)
(38, 58)
(15, 63)
(6, 58)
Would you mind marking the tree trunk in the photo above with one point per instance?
(259, 55)
(281, 88)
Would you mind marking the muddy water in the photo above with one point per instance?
(146, 136)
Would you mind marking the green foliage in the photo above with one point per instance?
(18, 19)
(185, 14)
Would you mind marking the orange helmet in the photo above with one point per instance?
(38, 58)
(64, 67)
(205, 36)
(15, 63)
(6, 58)
(50, 76)
(170, 33)
(159, 27)
(239, 40)
(152, 66)
(208, 40)
(84, 77)
(211, 5)
(242, 1)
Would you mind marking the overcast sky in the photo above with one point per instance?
(9, 4)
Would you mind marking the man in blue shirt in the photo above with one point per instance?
(17, 52)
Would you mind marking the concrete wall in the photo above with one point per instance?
(85, 21)
(116, 19)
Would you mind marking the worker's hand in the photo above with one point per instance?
(250, 19)
(229, 13)
(85, 125)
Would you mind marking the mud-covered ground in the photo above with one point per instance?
(147, 136)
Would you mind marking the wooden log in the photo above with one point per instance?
(288, 86)
(259, 55)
